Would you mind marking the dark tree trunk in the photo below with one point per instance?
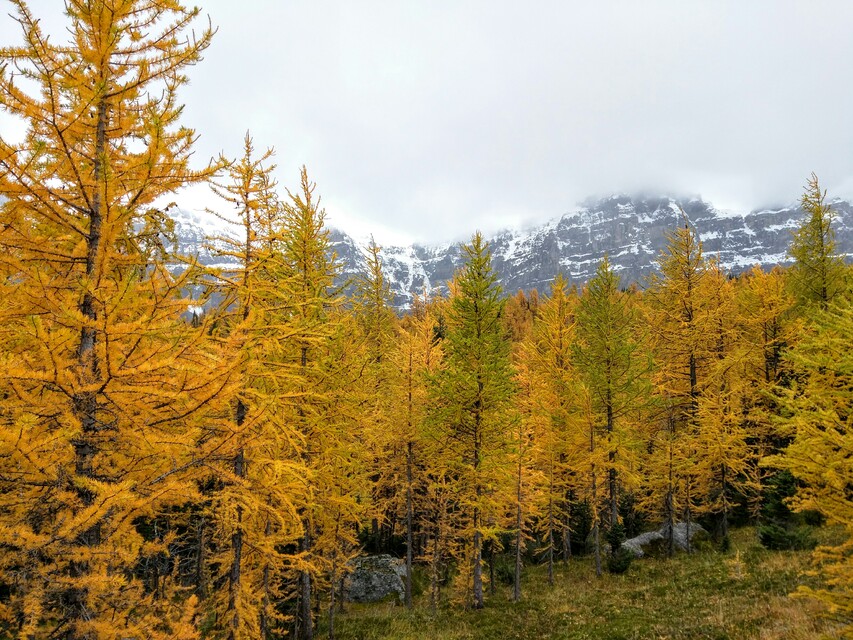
(85, 403)
(611, 472)
(516, 586)
(550, 541)
(332, 587)
(596, 529)
(478, 537)
(409, 522)
(567, 534)
(306, 620)
(200, 562)
(236, 537)
(267, 599)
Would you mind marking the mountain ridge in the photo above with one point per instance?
(631, 230)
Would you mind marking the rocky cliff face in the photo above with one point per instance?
(631, 230)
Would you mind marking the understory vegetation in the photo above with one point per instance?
(739, 594)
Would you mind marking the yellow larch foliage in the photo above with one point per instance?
(681, 320)
(259, 474)
(545, 366)
(377, 382)
(105, 385)
(726, 462)
(324, 406)
(819, 419)
(413, 356)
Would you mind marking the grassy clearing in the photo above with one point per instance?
(738, 595)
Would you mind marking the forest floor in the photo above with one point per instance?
(740, 594)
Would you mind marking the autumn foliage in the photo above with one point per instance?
(193, 452)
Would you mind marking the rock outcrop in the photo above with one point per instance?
(374, 578)
(655, 542)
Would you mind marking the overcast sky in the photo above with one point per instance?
(422, 121)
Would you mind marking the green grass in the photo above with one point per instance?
(738, 595)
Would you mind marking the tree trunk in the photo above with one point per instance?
(332, 603)
(478, 537)
(687, 518)
(236, 539)
(596, 534)
(669, 506)
(306, 621)
(611, 458)
(724, 524)
(567, 534)
(516, 583)
(516, 586)
(201, 561)
(409, 519)
(670, 525)
(435, 568)
(492, 568)
(478, 562)
(551, 541)
(267, 600)
(85, 403)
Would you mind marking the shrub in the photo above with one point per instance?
(779, 538)
(504, 568)
(619, 561)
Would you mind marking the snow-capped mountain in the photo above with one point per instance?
(631, 230)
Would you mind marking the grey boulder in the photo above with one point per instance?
(374, 578)
(656, 541)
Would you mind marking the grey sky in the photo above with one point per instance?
(426, 120)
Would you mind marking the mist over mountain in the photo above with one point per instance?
(631, 230)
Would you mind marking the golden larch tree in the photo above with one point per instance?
(545, 364)
(257, 449)
(818, 418)
(725, 462)
(609, 359)
(105, 382)
(680, 319)
(323, 407)
(817, 275)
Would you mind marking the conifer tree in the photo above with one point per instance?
(817, 275)
(374, 310)
(681, 321)
(308, 287)
(377, 381)
(107, 383)
(762, 304)
(530, 482)
(764, 329)
(608, 359)
(255, 507)
(414, 356)
(545, 358)
(438, 500)
(724, 458)
(476, 386)
(320, 407)
(817, 417)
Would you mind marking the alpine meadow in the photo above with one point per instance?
(265, 447)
